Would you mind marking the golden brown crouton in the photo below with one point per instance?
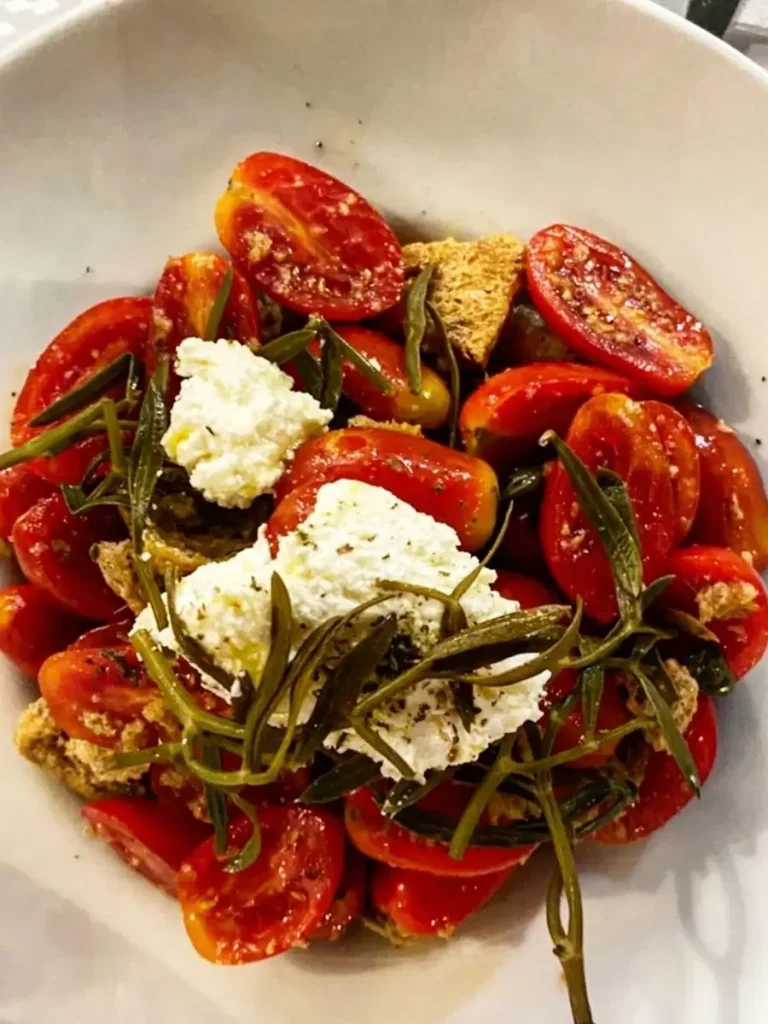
(403, 428)
(683, 709)
(165, 555)
(473, 287)
(78, 764)
(114, 560)
(733, 600)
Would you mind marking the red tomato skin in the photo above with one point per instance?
(385, 841)
(91, 341)
(429, 408)
(423, 905)
(278, 901)
(607, 308)
(521, 544)
(503, 419)
(53, 546)
(32, 628)
(182, 303)
(349, 902)
(101, 690)
(151, 838)
(451, 486)
(663, 792)
(112, 634)
(20, 489)
(526, 590)
(613, 713)
(743, 640)
(613, 432)
(733, 511)
(679, 446)
(309, 241)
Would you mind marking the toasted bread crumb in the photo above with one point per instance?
(114, 560)
(683, 709)
(733, 600)
(403, 428)
(473, 288)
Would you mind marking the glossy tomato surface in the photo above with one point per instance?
(93, 340)
(571, 733)
(150, 837)
(679, 446)
(526, 590)
(308, 240)
(606, 307)
(32, 628)
(349, 902)
(278, 901)
(20, 489)
(53, 548)
(608, 432)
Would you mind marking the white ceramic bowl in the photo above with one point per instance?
(118, 132)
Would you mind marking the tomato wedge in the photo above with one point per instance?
(93, 340)
(606, 307)
(451, 486)
(724, 592)
(278, 901)
(414, 903)
(503, 419)
(611, 432)
(308, 240)
(680, 448)
(151, 838)
(664, 792)
(733, 511)
(20, 489)
(349, 901)
(32, 628)
(53, 550)
(389, 843)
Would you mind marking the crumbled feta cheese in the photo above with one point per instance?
(236, 421)
(357, 536)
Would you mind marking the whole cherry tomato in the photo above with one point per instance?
(680, 447)
(277, 902)
(183, 300)
(151, 838)
(53, 547)
(20, 489)
(418, 904)
(663, 791)
(349, 901)
(308, 240)
(451, 486)
(606, 307)
(724, 592)
(733, 511)
(32, 628)
(92, 341)
(503, 419)
(615, 433)
(385, 841)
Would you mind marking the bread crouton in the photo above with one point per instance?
(165, 555)
(403, 428)
(114, 560)
(683, 709)
(78, 764)
(473, 287)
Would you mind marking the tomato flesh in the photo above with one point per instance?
(349, 902)
(32, 628)
(20, 489)
(680, 448)
(611, 432)
(93, 340)
(278, 901)
(664, 792)
(53, 547)
(607, 308)
(308, 240)
(151, 838)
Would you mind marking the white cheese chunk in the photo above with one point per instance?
(236, 421)
(357, 536)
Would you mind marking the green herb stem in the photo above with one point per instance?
(415, 326)
(480, 798)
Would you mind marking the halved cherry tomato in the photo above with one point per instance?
(389, 843)
(503, 419)
(349, 901)
(418, 904)
(612, 432)
(613, 713)
(53, 546)
(526, 590)
(94, 694)
(733, 511)
(32, 628)
(184, 297)
(527, 339)
(278, 901)
(725, 593)
(455, 488)
(680, 447)
(20, 489)
(112, 634)
(93, 340)
(663, 791)
(308, 240)
(606, 307)
(151, 838)
(429, 408)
